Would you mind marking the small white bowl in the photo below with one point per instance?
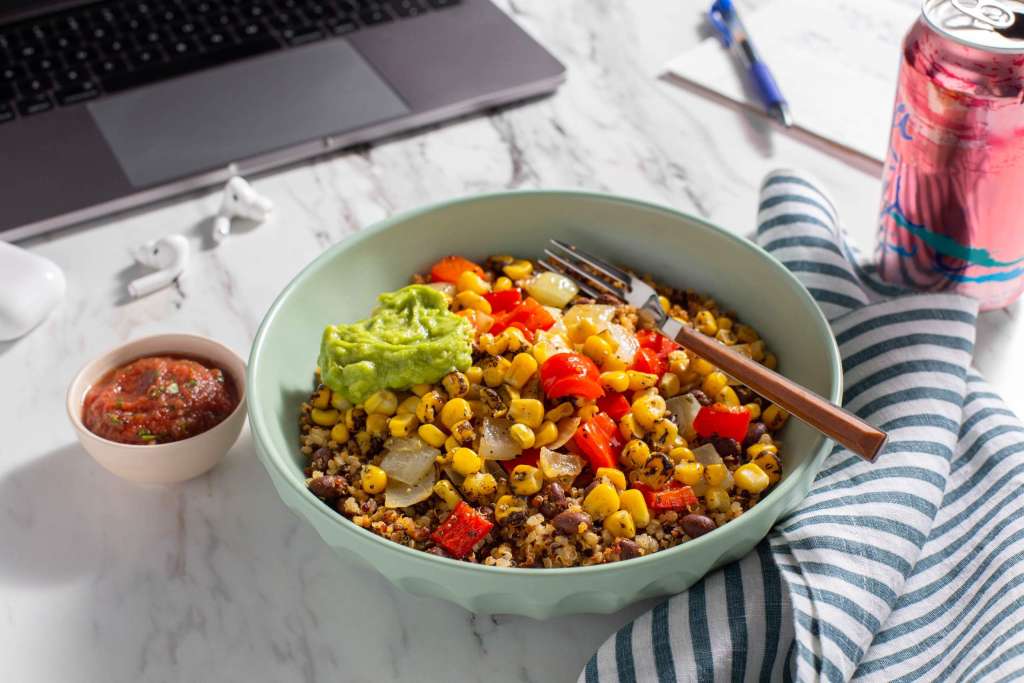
(165, 463)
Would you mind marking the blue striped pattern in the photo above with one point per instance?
(908, 569)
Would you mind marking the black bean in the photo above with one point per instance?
(555, 501)
(755, 430)
(569, 522)
(628, 549)
(744, 394)
(514, 519)
(328, 487)
(701, 397)
(726, 447)
(697, 525)
(321, 457)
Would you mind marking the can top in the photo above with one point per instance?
(991, 25)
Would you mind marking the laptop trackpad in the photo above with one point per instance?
(210, 119)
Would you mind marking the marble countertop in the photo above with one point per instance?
(214, 579)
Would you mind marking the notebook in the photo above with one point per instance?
(836, 62)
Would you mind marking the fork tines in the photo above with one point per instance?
(594, 276)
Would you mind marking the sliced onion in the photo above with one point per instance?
(627, 343)
(557, 465)
(446, 288)
(600, 314)
(685, 408)
(552, 289)
(400, 495)
(455, 477)
(567, 427)
(407, 460)
(707, 455)
(495, 441)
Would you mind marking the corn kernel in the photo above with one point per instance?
(602, 501)
(479, 486)
(381, 402)
(364, 441)
(658, 471)
(663, 434)
(502, 284)
(466, 461)
(408, 406)
(746, 333)
(526, 480)
(664, 303)
(641, 380)
(463, 432)
(374, 479)
(471, 282)
(522, 435)
(547, 433)
(508, 505)
(678, 363)
(522, 369)
(519, 269)
(620, 524)
(681, 454)
(542, 351)
(706, 324)
(456, 384)
(617, 381)
(528, 411)
(769, 464)
(587, 411)
(321, 399)
(376, 424)
(455, 410)
(648, 409)
(496, 370)
(420, 389)
(514, 338)
(724, 323)
(728, 396)
(629, 428)
(339, 433)
(614, 364)
(754, 410)
(727, 337)
(445, 490)
(758, 448)
(702, 367)
(689, 473)
(770, 361)
(430, 404)
(432, 435)
(635, 454)
(473, 301)
(451, 444)
(614, 476)
(475, 374)
(632, 501)
(751, 478)
(350, 418)
(717, 499)
(402, 426)
(560, 411)
(324, 418)
(598, 349)
(715, 473)
(340, 403)
(714, 383)
(669, 385)
(773, 417)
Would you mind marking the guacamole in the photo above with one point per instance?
(411, 338)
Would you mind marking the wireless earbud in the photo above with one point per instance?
(240, 201)
(169, 255)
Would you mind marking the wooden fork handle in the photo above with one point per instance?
(835, 422)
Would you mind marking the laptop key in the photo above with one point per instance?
(14, 72)
(374, 16)
(80, 92)
(110, 65)
(339, 26)
(80, 55)
(301, 35)
(441, 4)
(407, 8)
(6, 113)
(27, 106)
(33, 86)
(6, 92)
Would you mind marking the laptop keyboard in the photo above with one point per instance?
(106, 47)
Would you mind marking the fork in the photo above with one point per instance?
(597, 278)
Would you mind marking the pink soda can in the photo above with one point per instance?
(952, 215)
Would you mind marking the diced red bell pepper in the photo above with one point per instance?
(647, 360)
(657, 342)
(599, 440)
(528, 315)
(615, 405)
(726, 421)
(450, 268)
(530, 456)
(674, 496)
(461, 530)
(570, 374)
(504, 300)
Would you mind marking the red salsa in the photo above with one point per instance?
(158, 399)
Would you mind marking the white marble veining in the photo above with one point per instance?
(101, 580)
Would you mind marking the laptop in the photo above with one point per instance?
(105, 106)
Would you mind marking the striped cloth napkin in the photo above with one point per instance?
(907, 569)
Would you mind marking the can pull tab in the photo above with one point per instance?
(989, 12)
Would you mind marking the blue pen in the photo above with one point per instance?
(726, 20)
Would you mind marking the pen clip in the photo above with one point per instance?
(719, 15)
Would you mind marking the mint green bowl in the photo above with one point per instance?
(343, 283)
